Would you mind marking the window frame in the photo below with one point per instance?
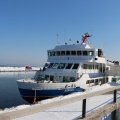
(84, 53)
(66, 67)
(73, 52)
(74, 67)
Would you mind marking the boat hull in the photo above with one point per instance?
(38, 95)
(32, 99)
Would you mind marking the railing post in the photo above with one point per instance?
(114, 113)
(84, 108)
(114, 96)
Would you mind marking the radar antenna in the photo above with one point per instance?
(85, 36)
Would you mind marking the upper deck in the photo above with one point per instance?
(75, 53)
(79, 52)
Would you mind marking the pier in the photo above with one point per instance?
(97, 114)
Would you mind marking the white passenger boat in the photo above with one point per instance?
(70, 68)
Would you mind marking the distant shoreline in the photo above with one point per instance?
(19, 69)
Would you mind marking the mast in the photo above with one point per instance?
(84, 37)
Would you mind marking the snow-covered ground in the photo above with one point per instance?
(11, 69)
(69, 111)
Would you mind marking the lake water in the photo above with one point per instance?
(9, 93)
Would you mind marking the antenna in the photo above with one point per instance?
(57, 40)
(70, 40)
(64, 35)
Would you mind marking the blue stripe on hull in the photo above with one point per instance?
(48, 93)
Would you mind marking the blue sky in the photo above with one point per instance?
(29, 27)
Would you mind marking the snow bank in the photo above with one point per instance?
(15, 108)
(12, 69)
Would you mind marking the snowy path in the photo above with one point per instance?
(15, 69)
(70, 111)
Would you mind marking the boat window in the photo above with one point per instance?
(72, 79)
(85, 66)
(65, 79)
(93, 66)
(107, 68)
(61, 66)
(85, 52)
(107, 79)
(46, 65)
(60, 79)
(55, 66)
(88, 81)
(103, 80)
(75, 66)
(62, 52)
(96, 66)
(92, 81)
(78, 52)
(50, 65)
(91, 53)
(49, 53)
(57, 53)
(73, 52)
(114, 79)
(51, 77)
(40, 78)
(90, 66)
(52, 53)
(100, 53)
(68, 66)
(96, 82)
(67, 52)
(47, 77)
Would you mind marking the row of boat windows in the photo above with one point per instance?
(115, 79)
(93, 66)
(97, 81)
(62, 53)
(63, 65)
(75, 66)
(56, 78)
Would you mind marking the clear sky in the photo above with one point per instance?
(28, 28)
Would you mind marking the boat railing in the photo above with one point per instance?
(94, 75)
(21, 76)
(71, 57)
